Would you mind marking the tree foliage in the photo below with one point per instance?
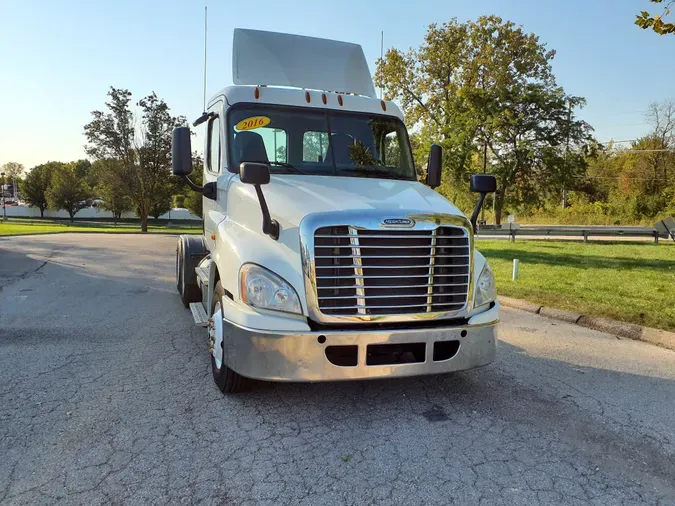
(12, 170)
(34, 187)
(106, 172)
(67, 190)
(144, 153)
(646, 20)
(623, 185)
(193, 200)
(488, 84)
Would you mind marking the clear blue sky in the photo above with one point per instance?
(59, 57)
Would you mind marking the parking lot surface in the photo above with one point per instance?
(106, 396)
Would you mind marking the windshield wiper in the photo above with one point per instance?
(375, 172)
(288, 166)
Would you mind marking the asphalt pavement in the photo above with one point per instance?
(106, 396)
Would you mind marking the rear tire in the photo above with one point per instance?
(228, 381)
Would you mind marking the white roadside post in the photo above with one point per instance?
(516, 267)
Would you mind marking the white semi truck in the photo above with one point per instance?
(323, 258)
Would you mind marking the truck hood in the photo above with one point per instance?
(292, 197)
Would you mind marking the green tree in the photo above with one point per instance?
(314, 146)
(34, 187)
(193, 199)
(161, 204)
(67, 191)
(645, 20)
(12, 170)
(179, 200)
(145, 152)
(82, 168)
(13, 174)
(107, 173)
(487, 88)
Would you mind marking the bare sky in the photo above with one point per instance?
(59, 58)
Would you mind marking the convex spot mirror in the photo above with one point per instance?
(254, 173)
(483, 183)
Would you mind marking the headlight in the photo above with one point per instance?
(265, 290)
(485, 288)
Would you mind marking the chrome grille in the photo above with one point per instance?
(391, 272)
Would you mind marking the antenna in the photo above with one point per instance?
(381, 55)
(205, 28)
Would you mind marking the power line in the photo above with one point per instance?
(618, 142)
(668, 150)
(624, 177)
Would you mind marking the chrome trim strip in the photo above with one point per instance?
(412, 266)
(392, 287)
(379, 257)
(374, 236)
(424, 304)
(318, 246)
(425, 276)
(369, 219)
(406, 296)
(430, 288)
(358, 271)
(412, 330)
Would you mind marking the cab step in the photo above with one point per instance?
(199, 315)
(202, 275)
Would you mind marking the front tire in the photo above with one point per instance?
(228, 381)
(188, 292)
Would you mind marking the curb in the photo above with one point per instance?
(657, 337)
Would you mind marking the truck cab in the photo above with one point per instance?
(323, 257)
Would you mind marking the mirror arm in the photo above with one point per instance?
(193, 186)
(205, 116)
(476, 210)
(209, 190)
(269, 226)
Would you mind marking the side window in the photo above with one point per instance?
(314, 146)
(213, 162)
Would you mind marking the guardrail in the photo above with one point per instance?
(664, 229)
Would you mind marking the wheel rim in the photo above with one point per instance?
(216, 335)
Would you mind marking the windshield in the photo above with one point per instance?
(319, 142)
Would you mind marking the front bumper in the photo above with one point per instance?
(293, 356)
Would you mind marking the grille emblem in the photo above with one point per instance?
(398, 222)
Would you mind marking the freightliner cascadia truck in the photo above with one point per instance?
(322, 256)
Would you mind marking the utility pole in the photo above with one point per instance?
(482, 210)
(567, 151)
(381, 55)
(2, 190)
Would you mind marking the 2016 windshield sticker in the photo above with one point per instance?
(253, 123)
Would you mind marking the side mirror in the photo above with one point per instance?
(257, 174)
(483, 184)
(254, 173)
(434, 166)
(181, 152)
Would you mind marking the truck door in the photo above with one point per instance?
(214, 210)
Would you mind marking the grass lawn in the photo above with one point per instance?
(623, 281)
(25, 227)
